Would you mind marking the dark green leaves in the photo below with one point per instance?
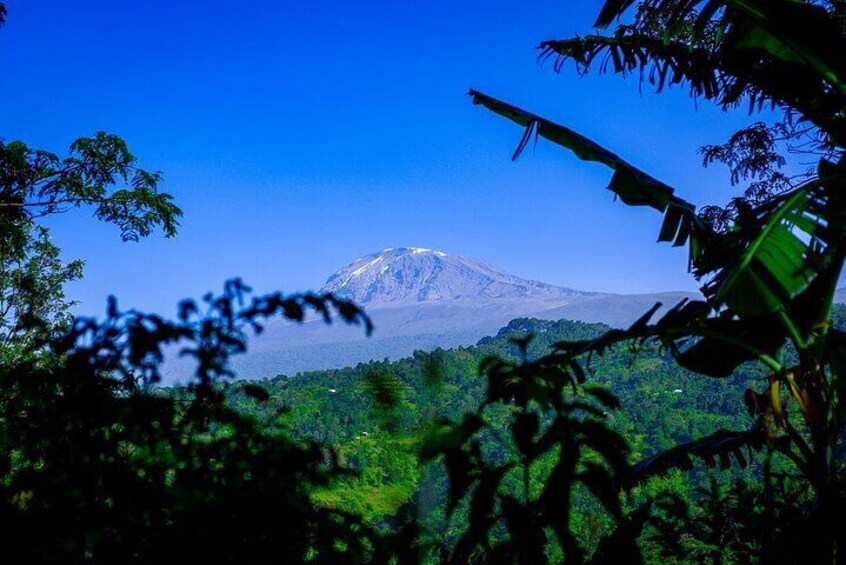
(99, 172)
(795, 32)
(128, 474)
(714, 448)
(724, 344)
(208, 335)
(560, 442)
(631, 185)
(774, 256)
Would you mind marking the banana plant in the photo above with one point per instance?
(769, 277)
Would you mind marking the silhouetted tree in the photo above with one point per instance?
(97, 466)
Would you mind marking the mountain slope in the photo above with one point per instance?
(421, 298)
(413, 275)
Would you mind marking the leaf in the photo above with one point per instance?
(603, 395)
(256, 392)
(631, 185)
(484, 496)
(731, 342)
(796, 32)
(602, 484)
(611, 10)
(524, 429)
(641, 323)
(445, 435)
(781, 251)
(556, 499)
(719, 444)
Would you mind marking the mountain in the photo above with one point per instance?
(420, 298)
(414, 275)
(840, 296)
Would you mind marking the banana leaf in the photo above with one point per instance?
(633, 186)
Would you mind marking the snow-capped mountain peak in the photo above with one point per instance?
(406, 275)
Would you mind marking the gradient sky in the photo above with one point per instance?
(298, 136)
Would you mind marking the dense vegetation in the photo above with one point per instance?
(582, 444)
(661, 405)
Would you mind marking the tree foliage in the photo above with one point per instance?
(769, 275)
(98, 467)
(571, 434)
(99, 173)
(36, 183)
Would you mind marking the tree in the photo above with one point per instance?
(768, 263)
(97, 466)
(99, 173)
(35, 184)
(32, 299)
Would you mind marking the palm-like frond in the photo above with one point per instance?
(719, 446)
(771, 258)
(766, 261)
(630, 184)
(706, 344)
(770, 279)
(780, 52)
(661, 61)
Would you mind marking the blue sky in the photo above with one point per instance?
(298, 136)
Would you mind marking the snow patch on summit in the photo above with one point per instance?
(417, 250)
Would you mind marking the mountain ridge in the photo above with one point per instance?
(420, 299)
(409, 275)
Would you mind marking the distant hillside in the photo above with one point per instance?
(331, 405)
(662, 404)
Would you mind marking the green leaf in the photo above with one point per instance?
(781, 252)
(603, 395)
(796, 32)
(720, 444)
(633, 186)
(601, 483)
(730, 343)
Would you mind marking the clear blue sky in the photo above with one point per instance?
(298, 136)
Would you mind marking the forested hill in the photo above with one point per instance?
(668, 402)
(662, 405)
